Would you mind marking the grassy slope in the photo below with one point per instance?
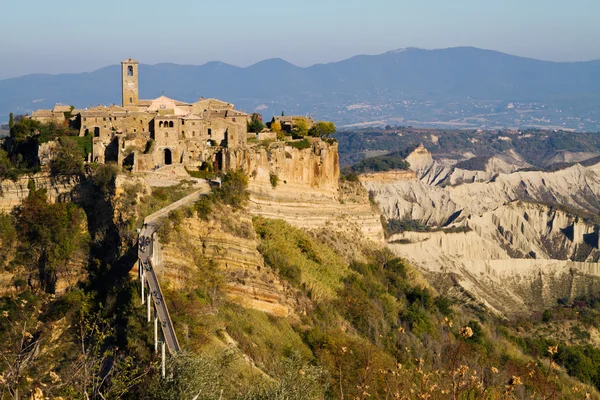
(362, 329)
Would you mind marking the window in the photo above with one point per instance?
(193, 123)
(131, 99)
(166, 134)
(183, 122)
(84, 118)
(143, 129)
(233, 119)
(193, 133)
(103, 118)
(134, 130)
(104, 126)
(85, 127)
(130, 70)
(183, 133)
(170, 124)
(160, 124)
(209, 131)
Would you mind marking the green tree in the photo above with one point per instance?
(322, 129)
(49, 235)
(255, 125)
(11, 120)
(301, 128)
(233, 190)
(68, 159)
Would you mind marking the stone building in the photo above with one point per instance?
(145, 134)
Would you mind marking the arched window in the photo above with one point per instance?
(130, 70)
(160, 124)
(170, 124)
(131, 99)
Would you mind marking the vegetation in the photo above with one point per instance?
(276, 126)
(536, 146)
(68, 159)
(322, 129)
(300, 128)
(394, 226)
(49, 235)
(274, 179)
(255, 125)
(381, 163)
(103, 176)
(300, 144)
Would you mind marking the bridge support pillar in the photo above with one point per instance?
(149, 305)
(155, 332)
(163, 354)
(143, 297)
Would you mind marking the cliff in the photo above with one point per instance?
(12, 193)
(301, 186)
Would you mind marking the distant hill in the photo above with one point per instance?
(411, 86)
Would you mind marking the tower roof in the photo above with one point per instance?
(129, 61)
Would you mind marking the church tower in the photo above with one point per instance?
(129, 75)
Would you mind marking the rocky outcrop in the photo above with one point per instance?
(12, 193)
(247, 280)
(301, 186)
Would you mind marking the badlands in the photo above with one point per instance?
(513, 239)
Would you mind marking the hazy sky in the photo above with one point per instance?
(72, 36)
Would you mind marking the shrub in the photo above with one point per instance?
(103, 176)
(203, 207)
(300, 144)
(149, 146)
(233, 189)
(68, 160)
(274, 179)
(381, 163)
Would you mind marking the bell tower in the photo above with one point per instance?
(129, 79)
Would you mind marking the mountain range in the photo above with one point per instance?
(458, 87)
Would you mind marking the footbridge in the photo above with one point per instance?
(149, 267)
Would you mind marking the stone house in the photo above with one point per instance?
(146, 134)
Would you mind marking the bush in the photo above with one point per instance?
(233, 189)
(300, 144)
(149, 146)
(203, 207)
(274, 179)
(68, 160)
(381, 163)
(103, 176)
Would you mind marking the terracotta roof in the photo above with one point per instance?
(129, 61)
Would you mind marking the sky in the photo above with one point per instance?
(58, 36)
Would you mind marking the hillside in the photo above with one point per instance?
(285, 279)
(463, 87)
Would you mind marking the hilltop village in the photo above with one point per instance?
(148, 134)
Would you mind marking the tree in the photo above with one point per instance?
(68, 159)
(11, 120)
(276, 126)
(255, 125)
(282, 113)
(49, 235)
(301, 128)
(322, 129)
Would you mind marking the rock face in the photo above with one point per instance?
(58, 189)
(521, 245)
(247, 280)
(307, 193)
